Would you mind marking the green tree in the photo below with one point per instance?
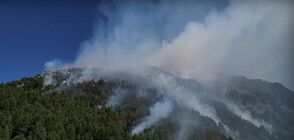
(5, 133)
(53, 136)
(71, 131)
(40, 132)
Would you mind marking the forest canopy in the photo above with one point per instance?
(29, 110)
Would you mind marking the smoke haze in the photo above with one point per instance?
(160, 110)
(195, 39)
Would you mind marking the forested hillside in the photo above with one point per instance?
(30, 110)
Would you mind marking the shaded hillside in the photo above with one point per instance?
(29, 110)
(223, 106)
(271, 102)
(83, 103)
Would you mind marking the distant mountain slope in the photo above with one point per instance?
(270, 101)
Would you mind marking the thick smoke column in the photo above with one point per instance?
(158, 111)
(250, 38)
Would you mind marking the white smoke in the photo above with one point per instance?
(116, 99)
(160, 110)
(56, 63)
(250, 38)
(184, 97)
(49, 80)
(246, 115)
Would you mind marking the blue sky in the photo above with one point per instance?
(33, 33)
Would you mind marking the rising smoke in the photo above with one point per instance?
(196, 40)
(160, 110)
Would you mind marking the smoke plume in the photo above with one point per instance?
(191, 39)
(195, 39)
(158, 111)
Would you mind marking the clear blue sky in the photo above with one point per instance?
(32, 33)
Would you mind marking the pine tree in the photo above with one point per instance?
(71, 131)
(40, 132)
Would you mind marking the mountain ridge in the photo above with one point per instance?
(238, 107)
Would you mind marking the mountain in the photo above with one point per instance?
(271, 102)
(92, 103)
